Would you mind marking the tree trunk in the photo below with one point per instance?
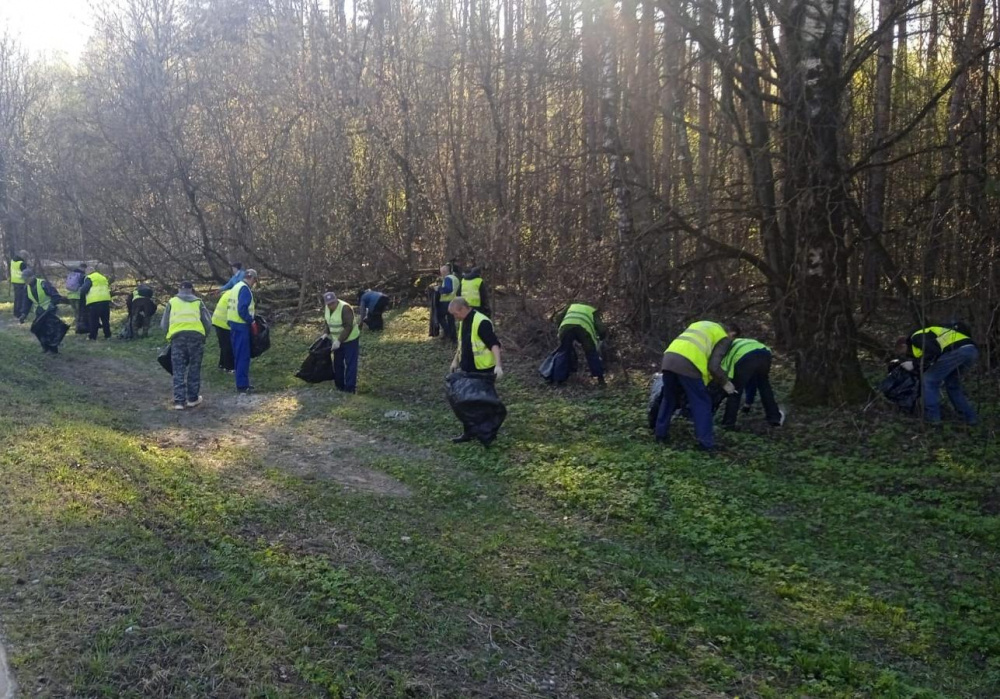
(826, 361)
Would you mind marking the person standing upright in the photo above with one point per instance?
(690, 363)
(478, 351)
(187, 322)
(447, 292)
(17, 265)
(97, 290)
(239, 314)
(342, 329)
(472, 288)
(220, 319)
(236, 278)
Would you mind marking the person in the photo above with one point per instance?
(690, 363)
(17, 265)
(239, 314)
(238, 275)
(140, 308)
(447, 291)
(478, 350)
(581, 322)
(343, 331)
(473, 290)
(748, 366)
(220, 319)
(74, 281)
(187, 323)
(97, 290)
(942, 355)
(44, 297)
(372, 305)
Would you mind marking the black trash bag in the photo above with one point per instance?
(558, 365)
(473, 397)
(166, 359)
(318, 366)
(902, 388)
(433, 298)
(125, 331)
(655, 396)
(260, 342)
(50, 329)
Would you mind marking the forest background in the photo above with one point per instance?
(828, 166)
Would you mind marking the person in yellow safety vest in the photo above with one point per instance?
(472, 288)
(748, 366)
(187, 322)
(690, 363)
(942, 354)
(478, 346)
(44, 297)
(240, 313)
(580, 322)
(17, 265)
(220, 320)
(97, 290)
(447, 291)
(341, 327)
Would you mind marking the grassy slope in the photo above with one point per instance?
(842, 557)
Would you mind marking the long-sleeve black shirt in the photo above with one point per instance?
(486, 334)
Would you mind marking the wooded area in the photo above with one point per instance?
(825, 163)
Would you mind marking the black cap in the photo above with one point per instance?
(187, 285)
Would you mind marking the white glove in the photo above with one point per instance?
(907, 365)
(498, 372)
(335, 345)
(326, 336)
(729, 388)
(454, 366)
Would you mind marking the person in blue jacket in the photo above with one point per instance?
(240, 317)
(237, 277)
(372, 304)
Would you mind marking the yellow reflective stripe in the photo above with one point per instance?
(100, 288)
(702, 342)
(220, 316)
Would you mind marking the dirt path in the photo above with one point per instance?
(289, 429)
(7, 685)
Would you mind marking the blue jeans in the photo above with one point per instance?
(239, 333)
(699, 401)
(948, 370)
(345, 366)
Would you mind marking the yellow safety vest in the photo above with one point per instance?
(185, 316)
(16, 277)
(946, 337)
(583, 315)
(696, 344)
(454, 288)
(100, 288)
(482, 354)
(233, 313)
(220, 316)
(470, 291)
(741, 347)
(37, 295)
(335, 321)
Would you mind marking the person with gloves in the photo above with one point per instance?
(44, 297)
(690, 363)
(941, 355)
(748, 365)
(478, 347)
(343, 331)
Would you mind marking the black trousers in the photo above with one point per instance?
(374, 319)
(21, 304)
(753, 369)
(226, 359)
(100, 315)
(447, 322)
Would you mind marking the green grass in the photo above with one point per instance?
(847, 555)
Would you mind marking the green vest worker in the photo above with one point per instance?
(478, 347)
(447, 291)
(690, 363)
(44, 297)
(97, 290)
(220, 320)
(342, 328)
(239, 314)
(17, 265)
(473, 289)
(580, 322)
(187, 322)
(748, 366)
(943, 355)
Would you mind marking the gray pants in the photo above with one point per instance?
(186, 351)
